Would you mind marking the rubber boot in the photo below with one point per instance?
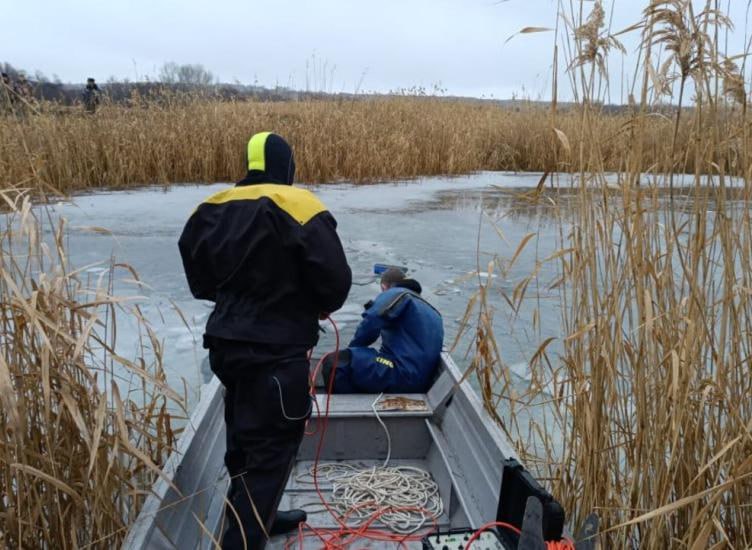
(286, 521)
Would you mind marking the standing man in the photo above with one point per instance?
(91, 96)
(24, 92)
(267, 254)
(7, 95)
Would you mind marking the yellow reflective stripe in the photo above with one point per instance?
(256, 157)
(385, 361)
(299, 203)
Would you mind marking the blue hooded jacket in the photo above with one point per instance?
(411, 331)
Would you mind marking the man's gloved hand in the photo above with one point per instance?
(368, 304)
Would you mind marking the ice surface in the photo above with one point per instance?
(430, 225)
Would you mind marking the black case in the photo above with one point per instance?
(516, 486)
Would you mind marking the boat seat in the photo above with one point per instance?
(354, 405)
(413, 405)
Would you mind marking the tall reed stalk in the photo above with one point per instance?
(85, 429)
(644, 412)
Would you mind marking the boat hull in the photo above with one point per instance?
(445, 431)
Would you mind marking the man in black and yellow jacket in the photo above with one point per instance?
(267, 254)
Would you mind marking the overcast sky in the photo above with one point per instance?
(339, 45)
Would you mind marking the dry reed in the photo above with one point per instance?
(201, 140)
(642, 411)
(84, 428)
(651, 392)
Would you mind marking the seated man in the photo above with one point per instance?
(411, 334)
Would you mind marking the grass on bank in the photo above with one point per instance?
(85, 429)
(652, 389)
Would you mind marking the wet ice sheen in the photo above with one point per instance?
(430, 225)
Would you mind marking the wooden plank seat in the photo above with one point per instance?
(361, 405)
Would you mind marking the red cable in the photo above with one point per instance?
(312, 391)
(564, 544)
(325, 422)
(488, 526)
(337, 539)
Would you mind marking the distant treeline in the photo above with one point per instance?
(174, 80)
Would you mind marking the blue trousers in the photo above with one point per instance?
(365, 370)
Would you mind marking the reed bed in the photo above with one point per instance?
(85, 429)
(198, 139)
(642, 410)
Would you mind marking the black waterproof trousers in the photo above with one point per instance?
(267, 403)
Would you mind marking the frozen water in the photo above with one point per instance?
(430, 225)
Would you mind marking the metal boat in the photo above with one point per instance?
(445, 431)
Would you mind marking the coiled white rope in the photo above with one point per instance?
(404, 498)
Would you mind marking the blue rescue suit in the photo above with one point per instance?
(412, 336)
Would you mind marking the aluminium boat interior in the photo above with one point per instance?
(445, 432)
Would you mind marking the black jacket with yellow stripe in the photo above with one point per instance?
(269, 256)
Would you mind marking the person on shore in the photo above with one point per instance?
(7, 95)
(268, 255)
(23, 95)
(412, 335)
(91, 96)
(24, 89)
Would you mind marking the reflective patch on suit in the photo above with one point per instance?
(384, 361)
(299, 203)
